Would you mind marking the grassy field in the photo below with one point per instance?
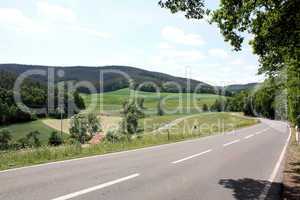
(209, 123)
(47, 154)
(185, 103)
(203, 123)
(21, 130)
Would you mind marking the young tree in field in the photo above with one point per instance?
(131, 116)
(83, 127)
(140, 102)
(5, 138)
(78, 128)
(160, 109)
(205, 108)
(94, 125)
(274, 25)
(55, 139)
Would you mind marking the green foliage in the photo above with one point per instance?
(94, 125)
(84, 126)
(78, 128)
(79, 102)
(160, 109)
(192, 8)
(218, 106)
(31, 140)
(140, 102)
(237, 102)
(294, 93)
(114, 135)
(264, 100)
(5, 139)
(12, 159)
(131, 115)
(274, 25)
(205, 108)
(112, 81)
(34, 95)
(55, 139)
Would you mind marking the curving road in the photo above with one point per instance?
(245, 164)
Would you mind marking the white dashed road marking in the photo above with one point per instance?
(193, 156)
(98, 187)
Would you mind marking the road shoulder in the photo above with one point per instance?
(291, 176)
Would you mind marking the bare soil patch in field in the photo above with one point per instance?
(107, 122)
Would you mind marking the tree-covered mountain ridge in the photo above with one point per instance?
(114, 79)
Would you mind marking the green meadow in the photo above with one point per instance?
(20, 130)
(173, 103)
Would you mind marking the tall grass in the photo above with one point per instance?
(13, 159)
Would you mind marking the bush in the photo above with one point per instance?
(5, 138)
(55, 139)
(114, 135)
(31, 140)
(84, 127)
(205, 108)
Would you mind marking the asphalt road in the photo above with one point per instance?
(245, 164)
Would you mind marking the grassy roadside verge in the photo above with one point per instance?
(13, 159)
(291, 177)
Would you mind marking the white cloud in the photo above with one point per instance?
(92, 32)
(218, 53)
(184, 55)
(176, 35)
(237, 61)
(165, 45)
(56, 12)
(12, 18)
(51, 17)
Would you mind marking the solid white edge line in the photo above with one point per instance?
(98, 187)
(276, 168)
(278, 164)
(230, 143)
(190, 157)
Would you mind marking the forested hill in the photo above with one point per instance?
(34, 95)
(112, 81)
(239, 87)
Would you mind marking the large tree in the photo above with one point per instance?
(274, 25)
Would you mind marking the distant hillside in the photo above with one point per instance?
(239, 87)
(112, 81)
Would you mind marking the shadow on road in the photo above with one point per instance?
(250, 189)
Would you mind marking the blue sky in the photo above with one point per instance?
(120, 32)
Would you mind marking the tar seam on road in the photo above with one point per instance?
(190, 157)
(230, 143)
(98, 187)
